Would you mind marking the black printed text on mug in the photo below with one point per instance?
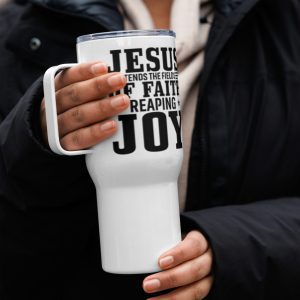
(158, 81)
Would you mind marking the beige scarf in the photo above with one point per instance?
(191, 37)
(2, 2)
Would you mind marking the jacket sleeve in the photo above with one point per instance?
(30, 173)
(256, 248)
(47, 204)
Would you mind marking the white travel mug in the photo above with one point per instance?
(135, 171)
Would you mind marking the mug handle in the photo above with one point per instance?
(51, 111)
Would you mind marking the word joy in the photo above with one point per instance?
(148, 121)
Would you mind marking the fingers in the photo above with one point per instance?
(91, 113)
(186, 269)
(195, 291)
(80, 72)
(83, 105)
(88, 136)
(88, 90)
(184, 274)
(193, 245)
(76, 125)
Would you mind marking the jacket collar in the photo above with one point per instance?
(104, 12)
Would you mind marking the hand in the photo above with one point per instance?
(186, 270)
(84, 107)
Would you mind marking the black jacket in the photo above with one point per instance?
(243, 189)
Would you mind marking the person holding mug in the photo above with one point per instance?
(238, 186)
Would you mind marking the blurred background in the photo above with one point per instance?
(3, 1)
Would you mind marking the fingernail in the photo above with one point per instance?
(166, 261)
(151, 285)
(108, 125)
(116, 80)
(99, 68)
(119, 101)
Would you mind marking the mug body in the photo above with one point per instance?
(136, 170)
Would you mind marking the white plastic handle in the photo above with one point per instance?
(51, 112)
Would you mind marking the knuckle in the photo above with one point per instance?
(103, 109)
(81, 70)
(180, 252)
(172, 279)
(195, 270)
(95, 132)
(76, 139)
(61, 124)
(98, 84)
(73, 94)
(197, 244)
(183, 252)
(60, 100)
(77, 115)
(198, 292)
